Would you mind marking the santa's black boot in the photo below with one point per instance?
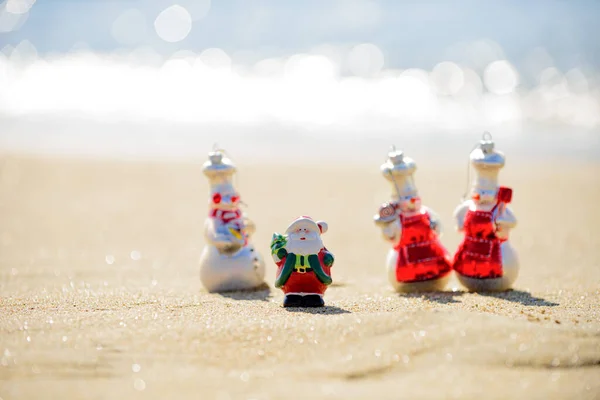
(313, 300)
(292, 300)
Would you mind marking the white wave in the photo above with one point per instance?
(303, 89)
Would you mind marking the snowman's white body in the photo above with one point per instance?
(226, 264)
(228, 261)
(505, 220)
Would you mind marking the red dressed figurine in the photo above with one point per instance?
(303, 263)
(418, 260)
(485, 260)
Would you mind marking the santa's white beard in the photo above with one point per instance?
(304, 247)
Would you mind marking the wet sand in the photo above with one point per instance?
(100, 294)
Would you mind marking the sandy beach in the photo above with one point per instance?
(100, 294)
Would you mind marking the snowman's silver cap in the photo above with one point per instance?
(397, 164)
(218, 167)
(485, 156)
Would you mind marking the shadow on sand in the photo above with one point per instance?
(261, 293)
(519, 296)
(436, 297)
(515, 296)
(327, 310)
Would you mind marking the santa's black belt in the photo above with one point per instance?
(302, 270)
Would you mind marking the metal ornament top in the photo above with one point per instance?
(484, 156)
(487, 162)
(218, 168)
(399, 170)
(398, 164)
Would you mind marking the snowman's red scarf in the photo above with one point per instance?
(225, 216)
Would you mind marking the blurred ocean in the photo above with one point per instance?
(141, 79)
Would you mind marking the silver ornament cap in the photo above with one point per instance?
(399, 170)
(218, 169)
(398, 164)
(487, 162)
(485, 156)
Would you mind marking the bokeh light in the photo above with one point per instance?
(215, 58)
(472, 87)
(500, 77)
(173, 24)
(447, 77)
(536, 61)
(11, 18)
(19, 6)
(25, 53)
(365, 60)
(269, 67)
(576, 81)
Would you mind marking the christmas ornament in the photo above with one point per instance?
(485, 260)
(229, 261)
(418, 261)
(303, 263)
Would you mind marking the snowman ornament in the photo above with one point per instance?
(229, 261)
(485, 259)
(418, 261)
(303, 263)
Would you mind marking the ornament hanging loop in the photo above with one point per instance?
(217, 149)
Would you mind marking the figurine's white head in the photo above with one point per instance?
(304, 236)
(409, 203)
(487, 163)
(220, 170)
(224, 197)
(399, 170)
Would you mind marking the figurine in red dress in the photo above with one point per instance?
(485, 260)
(303, 263)
(418, 260)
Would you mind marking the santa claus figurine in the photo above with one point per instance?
(418, 261)
(229, 261)
(303, 263)
(485, 260)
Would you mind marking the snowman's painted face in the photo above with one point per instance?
(483, 196)
(409, 203)
(225, 200)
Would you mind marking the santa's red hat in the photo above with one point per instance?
(307, 223)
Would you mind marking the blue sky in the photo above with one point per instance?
(411, 33)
